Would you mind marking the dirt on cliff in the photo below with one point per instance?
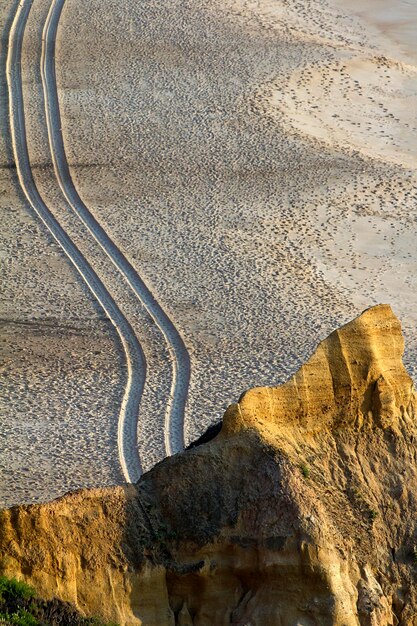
(301, 512)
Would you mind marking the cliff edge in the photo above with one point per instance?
(355, 378)
(301, 512)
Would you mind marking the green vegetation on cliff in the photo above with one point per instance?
(19, 606)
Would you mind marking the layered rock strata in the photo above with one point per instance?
(301, 512)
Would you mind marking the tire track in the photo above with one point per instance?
(135, 359)
(174, 417)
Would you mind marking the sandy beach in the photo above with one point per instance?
(238, 178)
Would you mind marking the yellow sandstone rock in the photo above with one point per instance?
(355, 378)
(301, 512)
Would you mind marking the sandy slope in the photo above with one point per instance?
(226, 205)
(55, 346)
(203, 137)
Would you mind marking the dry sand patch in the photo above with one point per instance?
(366, 105)
(258, 219)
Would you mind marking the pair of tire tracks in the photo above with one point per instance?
(135, 357)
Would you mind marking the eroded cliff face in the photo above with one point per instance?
(355, 378)
(301, 512)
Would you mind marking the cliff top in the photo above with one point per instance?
(355, 378)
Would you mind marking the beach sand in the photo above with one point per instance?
(256, 164)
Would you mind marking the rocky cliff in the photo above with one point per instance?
(301, 512)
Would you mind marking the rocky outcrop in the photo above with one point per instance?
(354, 379)
(301, 512)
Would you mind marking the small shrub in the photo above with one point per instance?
(12, 589)
(305, 471)
(373, 514)
(19, 606)
(23, 618)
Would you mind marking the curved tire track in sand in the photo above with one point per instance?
(174, 418)
(136, 363)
